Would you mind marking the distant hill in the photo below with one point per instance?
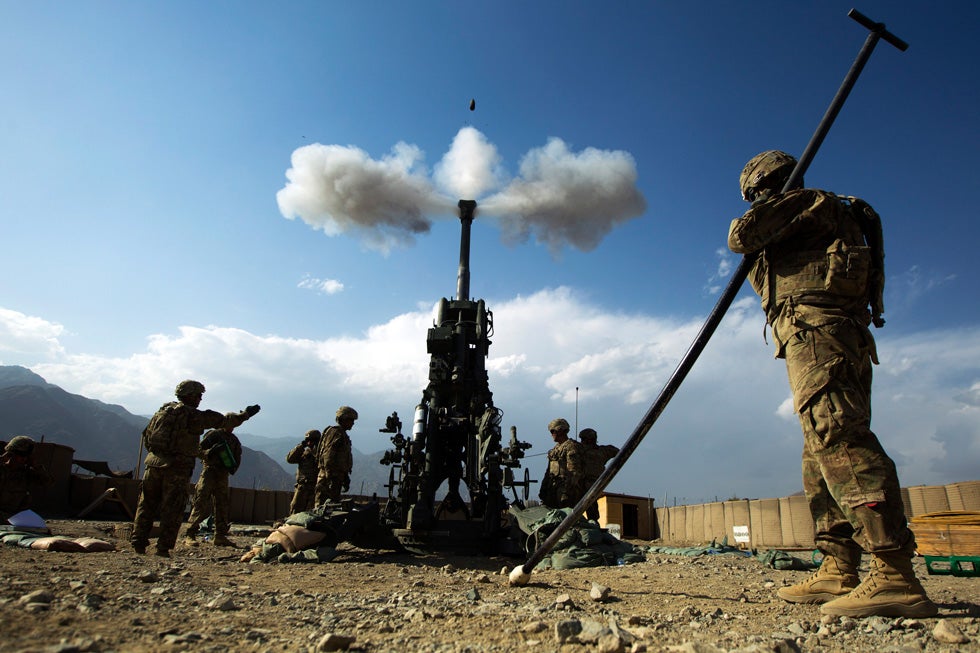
(29, 405)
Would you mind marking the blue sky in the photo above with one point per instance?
(150, 153)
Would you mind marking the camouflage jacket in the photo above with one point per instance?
(189, 424)
(812, 265)
(16, 481)
(335, 453)
(305, 459)
(562, 483)
(595, 458)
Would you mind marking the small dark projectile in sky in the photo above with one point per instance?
(472, 105)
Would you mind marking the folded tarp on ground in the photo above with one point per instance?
(585, 544)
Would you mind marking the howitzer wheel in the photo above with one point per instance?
(392, 481)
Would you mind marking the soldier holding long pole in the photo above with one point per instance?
(521, 574)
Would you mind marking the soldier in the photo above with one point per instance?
(334, 458)
(18, 474)
(594, 458)
(172, 439)
(816, 277)
(221, 453)
(561, 486)
(303, 455)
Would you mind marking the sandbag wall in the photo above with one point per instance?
(785, 522)
(246, 506)
(258, 506)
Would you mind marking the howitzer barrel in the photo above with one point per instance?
(466, 210)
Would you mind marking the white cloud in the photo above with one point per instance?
(719, 278)
(726, 431)
(322, 286)
(27, 338)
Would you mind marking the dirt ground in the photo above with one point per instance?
(205, 599)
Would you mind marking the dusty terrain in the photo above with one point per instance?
(204, 599)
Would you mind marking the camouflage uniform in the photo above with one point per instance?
(212, 494)
(304, 456)
(813, 296)
(18, 474)
(335, 461)
(562, 483)
(594, 459)
(166, 482)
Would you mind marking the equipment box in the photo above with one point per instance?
(946, 534)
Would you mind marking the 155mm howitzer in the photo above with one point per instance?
(455, 437)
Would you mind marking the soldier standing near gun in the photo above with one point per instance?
(594, 458)
(173, 440)
(303, 455)
(221, 453)
(335, 458)
(18, 473)
(561, 486)
(816, 270)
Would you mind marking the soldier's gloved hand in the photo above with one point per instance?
(252, 410)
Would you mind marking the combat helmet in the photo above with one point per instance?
(189, 387)
(768, 170)
(346, 412)
(559, 424)
(20, 444)
(313, 435)
(588, 435)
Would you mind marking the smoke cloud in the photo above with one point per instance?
(561, 198)
(471, 167)
(342, 190)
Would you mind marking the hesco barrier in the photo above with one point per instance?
(785, 522)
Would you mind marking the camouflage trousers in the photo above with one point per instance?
(163, 495)
(330, 485)
(302, 498)
(850, 482)
(211, 496)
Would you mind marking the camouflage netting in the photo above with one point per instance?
(585, 544)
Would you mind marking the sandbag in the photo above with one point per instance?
(92, 544)
(57, 543)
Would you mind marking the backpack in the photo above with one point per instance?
(160, 435)
(870, 222)
(218, 452)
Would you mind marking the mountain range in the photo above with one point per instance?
(98, 431)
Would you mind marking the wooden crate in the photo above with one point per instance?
(947, 533)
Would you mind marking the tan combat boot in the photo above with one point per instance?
(835, 578)
(889, 590)
(222, 540)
